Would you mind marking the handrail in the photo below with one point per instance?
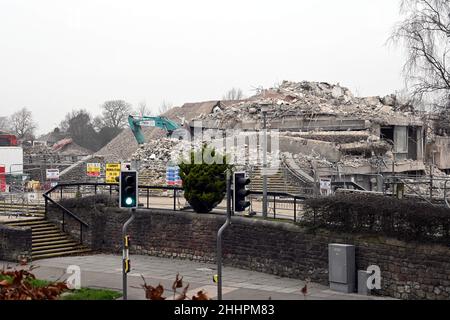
(66, 210)
(47, 198)
(76, 184)
(347, 183)
(278, 194)
(304, 177)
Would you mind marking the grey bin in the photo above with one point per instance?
(342, 267)
(363, 276)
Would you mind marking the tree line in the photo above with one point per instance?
(88, 131)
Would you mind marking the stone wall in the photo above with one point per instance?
(409, 270)
(15, 243)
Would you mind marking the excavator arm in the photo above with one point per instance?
(136, 123)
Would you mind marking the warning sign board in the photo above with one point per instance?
(52, 174)
(112, 172)
(94, 169)
(325, 187)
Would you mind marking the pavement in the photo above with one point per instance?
(104, 271)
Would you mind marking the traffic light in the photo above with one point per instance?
(128, 189)
(240, 191)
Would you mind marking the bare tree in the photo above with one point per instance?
(143, 110)
(165, 106)
(115, 113)
(4, 124)
(22, 124)
(233, 94)
(98, 123)
(425, 33)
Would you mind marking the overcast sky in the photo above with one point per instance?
(57, 55)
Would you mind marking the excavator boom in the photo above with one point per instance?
(136, 123)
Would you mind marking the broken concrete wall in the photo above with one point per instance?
(441, 149)
(294, 145)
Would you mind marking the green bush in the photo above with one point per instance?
(204, 184)
(406, 219)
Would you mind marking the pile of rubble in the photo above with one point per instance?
(39, 150)
(310, 99)
(154, 157)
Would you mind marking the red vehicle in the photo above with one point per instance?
(8, 140)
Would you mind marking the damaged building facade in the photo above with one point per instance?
(327, 133)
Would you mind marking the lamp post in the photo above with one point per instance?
(264, 109)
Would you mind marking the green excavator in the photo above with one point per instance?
(137, 122)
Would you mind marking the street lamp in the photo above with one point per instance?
(264, 110)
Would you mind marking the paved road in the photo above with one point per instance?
(104, 271)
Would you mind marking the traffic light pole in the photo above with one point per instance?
(264, 172)
(219, 238)
(125, 253)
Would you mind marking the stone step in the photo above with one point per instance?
(52, 232)
(63, 245)
(51, 243)
(55, 236)
(44, 228)
(27, 223)
(49, 240)
(60, 254)
(68, 247)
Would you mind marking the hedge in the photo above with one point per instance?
(406, 219)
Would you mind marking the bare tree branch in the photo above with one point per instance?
(233, 94)
(115, 113)
(22, 124)
(165, 106)
(425, 33)
(143, 110)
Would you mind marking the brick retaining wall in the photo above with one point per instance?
(15, 243)
(409, 270)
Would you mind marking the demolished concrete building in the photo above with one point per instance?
(324, 131)
(328, 132)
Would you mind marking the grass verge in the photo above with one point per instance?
(92, 294)
(82, 294)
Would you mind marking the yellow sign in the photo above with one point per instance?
(94, 169)
(112, 172)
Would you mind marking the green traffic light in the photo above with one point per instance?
(129, 201)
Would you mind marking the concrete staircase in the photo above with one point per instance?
(22, 210)
(277, 181)
(48, 240)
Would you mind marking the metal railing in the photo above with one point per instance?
(281, 205)
(64, 210)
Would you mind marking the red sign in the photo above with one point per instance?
(2, 179)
